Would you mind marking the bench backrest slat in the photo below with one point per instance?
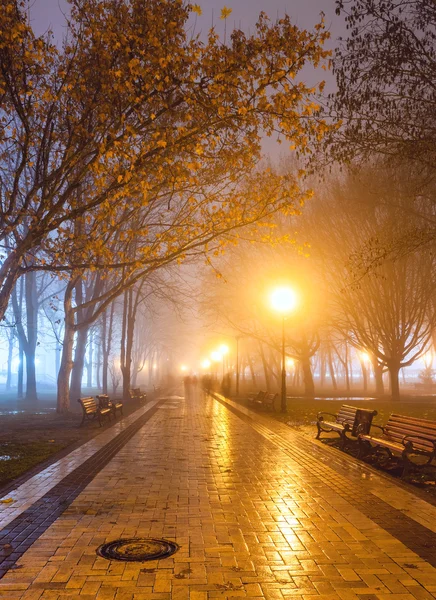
(359, 419)
(420, 431)
(88, 404)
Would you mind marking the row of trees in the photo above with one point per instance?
(131, 147)
(125, 342)
(388, 314)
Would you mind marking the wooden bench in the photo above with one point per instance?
(92, 411)
(268, 401)
(258, 398)
(136, 394)
(105, 402)
(402, 436)
(349, 419)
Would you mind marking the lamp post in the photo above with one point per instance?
(283, 300)
(223, 350)
(238, 337)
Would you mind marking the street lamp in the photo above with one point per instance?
(238, 337)
(283, 300)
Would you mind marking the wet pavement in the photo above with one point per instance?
(257, 510)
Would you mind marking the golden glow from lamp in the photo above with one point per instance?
(223, 349)
(216, 356)
(183, 368)
(206, 364)
(284, 299)
(365, 357)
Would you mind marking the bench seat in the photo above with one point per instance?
(105, 402)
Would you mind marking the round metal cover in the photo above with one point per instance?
(137, 549)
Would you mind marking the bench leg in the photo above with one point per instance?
(364, 449)
(319, 430)
(343, 441)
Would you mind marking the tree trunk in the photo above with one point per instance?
(20, 371)
(11, 338)
(32, 335)
(107, 328)
(98, 366)
(17, 306)
(128, 325)
(378, 376)
(309, 386)
(58, 357)
(394, 372)
(364, 375)
(332, 371)
(63, 396)
(90, 360)
(322, 369)
(78, 363)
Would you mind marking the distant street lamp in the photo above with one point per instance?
(206, 364)
(284, 300)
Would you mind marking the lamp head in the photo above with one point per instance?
(284, 299)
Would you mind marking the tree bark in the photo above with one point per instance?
(394, 372)
(32, 335)
(20, 378)
(332, 371)
(378, 376)
(11, 339)
(128, 326)
(309, 385)
(89, 366)
(364, 375)
(63, 397)
(78, 363)
(107, 327)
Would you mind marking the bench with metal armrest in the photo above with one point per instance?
(347, 420)
(411, 439)
(91, 411)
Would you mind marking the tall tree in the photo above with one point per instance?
(386, 69)
(130, 106)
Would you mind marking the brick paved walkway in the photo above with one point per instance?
(258, 511)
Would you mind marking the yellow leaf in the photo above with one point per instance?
(7, 501)
(120, 178)
(162, 144)
(225, 12)
(196, 8)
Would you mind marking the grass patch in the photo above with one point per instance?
(303, 412)
(18, 457)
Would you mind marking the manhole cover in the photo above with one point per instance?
(137, 549)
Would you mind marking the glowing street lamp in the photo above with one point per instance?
(215, 356)
(206, 364)
(284, 300)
